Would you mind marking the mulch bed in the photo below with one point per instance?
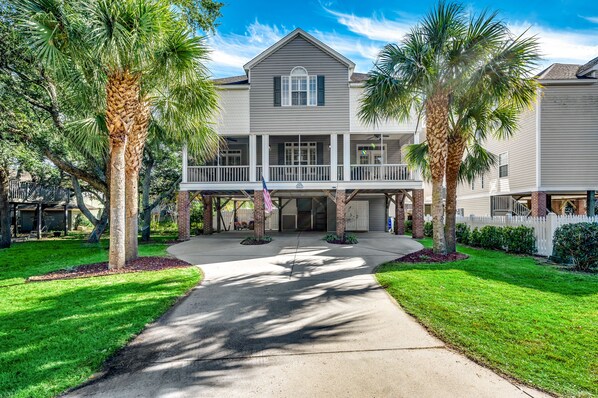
(101, 269)
(254, 242)
(428, 256)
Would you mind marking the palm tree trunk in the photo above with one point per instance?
(5, 238)
(437, 110)
(134, 157)
(122, 96)
(453, 163)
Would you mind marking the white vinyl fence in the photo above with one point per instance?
(245, 215)
(544, 227)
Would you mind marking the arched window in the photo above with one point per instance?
(299, 88)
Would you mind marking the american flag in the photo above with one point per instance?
(267, 198)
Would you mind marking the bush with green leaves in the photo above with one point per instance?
(428, 229)
(520, 239)
(462, 232)
(408, 226)
(475, 238)
(577, 244)
(491, 237)
(345, 239)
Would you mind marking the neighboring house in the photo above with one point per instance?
(550, 164)
(291, 119)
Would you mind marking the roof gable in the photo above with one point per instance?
(299, 32)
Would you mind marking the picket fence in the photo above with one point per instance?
(544, 227)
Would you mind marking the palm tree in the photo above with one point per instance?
(441, 56)
(132, 48)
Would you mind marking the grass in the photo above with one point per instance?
(54, 335)
(530, 321)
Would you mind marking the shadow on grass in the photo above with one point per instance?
(522, 271)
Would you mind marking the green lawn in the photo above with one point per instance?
(528, 320)
(54, 335)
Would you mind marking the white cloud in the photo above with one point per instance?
(374, 28)
(367, 35)
(590, 19)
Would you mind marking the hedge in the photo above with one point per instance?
(577, 244)
(519, 239)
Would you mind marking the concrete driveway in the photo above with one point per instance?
(295, 318)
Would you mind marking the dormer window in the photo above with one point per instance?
(299, 89)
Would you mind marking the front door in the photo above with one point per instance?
(304, 207)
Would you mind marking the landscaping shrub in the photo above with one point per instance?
(346, 239)
(408, 226)
(475, 238)
(577, 244)
(462, 231)
(428, 229)
(519, 239)
(251, 241)
(491, 237)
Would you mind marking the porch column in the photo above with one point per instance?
(333, 157)
(347, 157)
(183, 219)
(341, 224)
(15, 220)
(538, 204)
(65, 218)
(399, 214)
(185, 164)
(591, 203)
(38, 227)
(208, 226)
(218, 214)
(258, 214)
(417, 229)
(266, 157)
(252, 157)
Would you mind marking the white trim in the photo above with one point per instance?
(266, 157)
(333, 157)
(252, 157)
(185, 163)
(538, 134)
(347, 157)
(307, 185)
(298, 32)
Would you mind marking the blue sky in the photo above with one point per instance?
(568, 30)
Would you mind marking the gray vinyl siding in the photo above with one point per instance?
(569, 137)
(393, 150)
(275, 140)
(475, 206)
(377, 214)
(332, 117)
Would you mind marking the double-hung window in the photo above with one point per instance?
(299, 89)
(503, 165)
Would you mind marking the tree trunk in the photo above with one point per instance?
(5, 217)
(122, 96)
(453, 164)
(117, 206)
(146, 211)
(134, 157)
(437, 110)
(100, 226)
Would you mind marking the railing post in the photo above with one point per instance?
(266, 157)
(333, 157)
(551, 222)
(252, 158)
(347, 157)
(185, 163)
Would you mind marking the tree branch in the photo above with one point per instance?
(81, 202)
(164, 195)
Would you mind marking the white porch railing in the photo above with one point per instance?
(217, 173)
(295, 173)
(380, 172)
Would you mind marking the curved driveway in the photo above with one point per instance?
(295, 318)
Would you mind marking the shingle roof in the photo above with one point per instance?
(358, 77)
(585, 68)
(231, 80)
(560, 72)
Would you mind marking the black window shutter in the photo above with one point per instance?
(281, 154)
(320, 90)
(277, 91)
(320, 153)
